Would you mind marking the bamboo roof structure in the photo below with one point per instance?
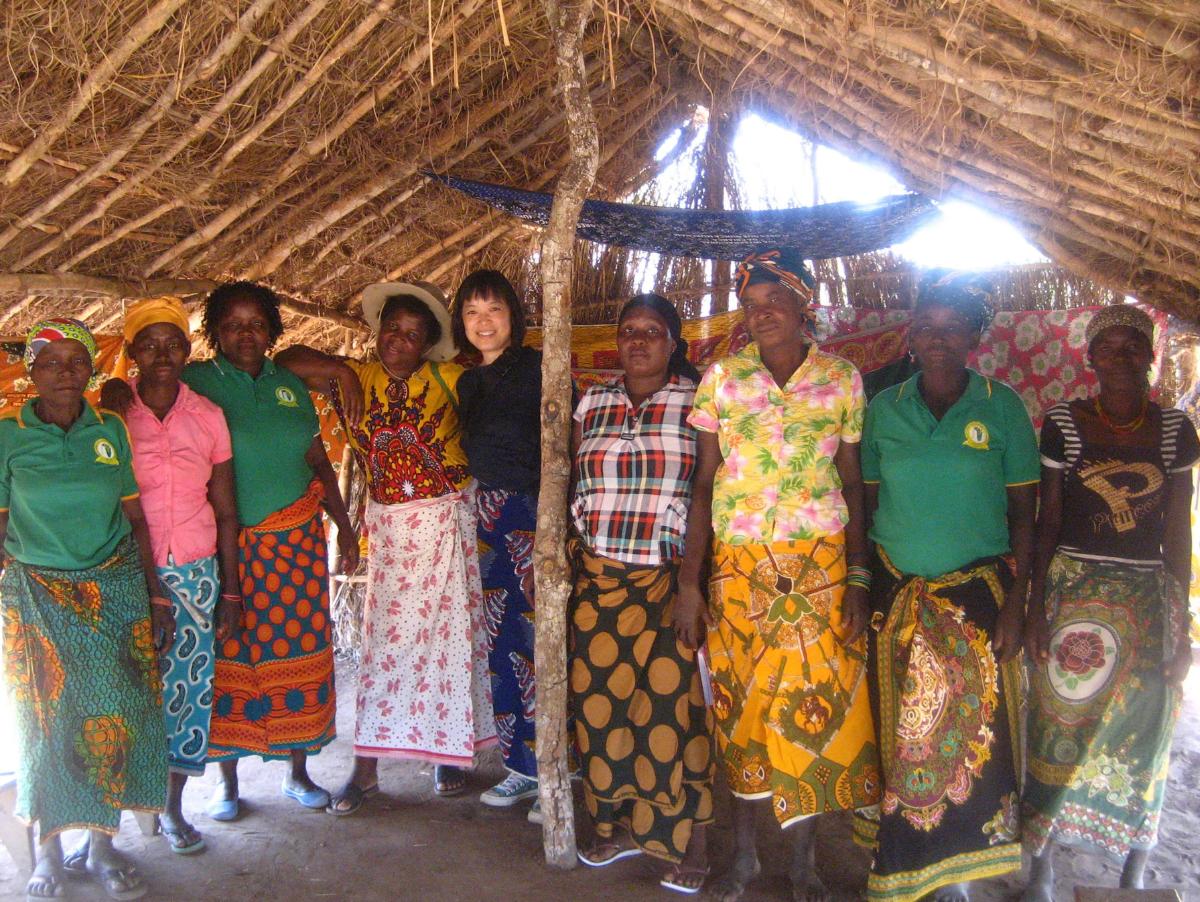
(161, 145)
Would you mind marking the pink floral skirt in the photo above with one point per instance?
(423, 685)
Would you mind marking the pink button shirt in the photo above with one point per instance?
(173, 460)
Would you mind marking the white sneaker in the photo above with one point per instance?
(509, 791)
(535, 813)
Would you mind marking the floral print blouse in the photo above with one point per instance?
(409, 441)
(778, 481)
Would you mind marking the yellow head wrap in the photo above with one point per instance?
(152, 311)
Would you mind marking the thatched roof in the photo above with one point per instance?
(282, 140)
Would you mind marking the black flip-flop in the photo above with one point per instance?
(353, 794)
(448, 787)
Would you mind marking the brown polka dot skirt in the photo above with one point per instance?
(643, 730)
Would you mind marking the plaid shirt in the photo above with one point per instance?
(635, 472)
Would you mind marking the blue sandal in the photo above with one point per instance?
(316, 797)
(222, 809)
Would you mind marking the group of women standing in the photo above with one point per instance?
(165, 594)
(969, 564)
(760, 558)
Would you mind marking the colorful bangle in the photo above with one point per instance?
(230, 596)
(157, 601)
(858, 576)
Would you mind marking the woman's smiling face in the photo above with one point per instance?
(403, 338)
(487, 322)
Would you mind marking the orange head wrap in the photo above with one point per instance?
(152, 311)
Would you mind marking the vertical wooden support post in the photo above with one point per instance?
(716, 151)
(567, 19)
(333, 552)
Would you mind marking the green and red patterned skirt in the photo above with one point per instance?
(947, 716)
(82, 674)
(1101, 714)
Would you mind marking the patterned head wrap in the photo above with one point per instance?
(153, 311)
(971, 293)
(56, 329)
(775, 265)
(1120, 315)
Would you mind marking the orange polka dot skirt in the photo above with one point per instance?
(274, 689)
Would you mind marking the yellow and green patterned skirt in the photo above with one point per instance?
(790, 700)
(1102, 714)
(83, 676)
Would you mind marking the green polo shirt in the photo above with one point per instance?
(63, 490)
(272, 423)
(943, 499)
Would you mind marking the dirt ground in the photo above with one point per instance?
(409, 844)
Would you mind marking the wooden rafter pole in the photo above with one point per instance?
(131, 136)
(716, 156)
(97, 81)
(567, 19)
(33, 284)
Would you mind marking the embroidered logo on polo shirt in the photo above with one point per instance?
(976, 436)
(286, 397)
(105, 452)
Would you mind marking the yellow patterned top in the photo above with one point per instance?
(778, 481)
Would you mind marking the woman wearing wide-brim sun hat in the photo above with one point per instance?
(423, 678)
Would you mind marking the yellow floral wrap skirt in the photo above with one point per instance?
(790, 700)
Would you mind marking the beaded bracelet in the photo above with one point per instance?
(158, 601)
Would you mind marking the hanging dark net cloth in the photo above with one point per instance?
(820, 232)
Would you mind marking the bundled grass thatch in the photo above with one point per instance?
(283, 140)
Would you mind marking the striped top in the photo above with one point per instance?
(1115, 495)
(635, 469)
